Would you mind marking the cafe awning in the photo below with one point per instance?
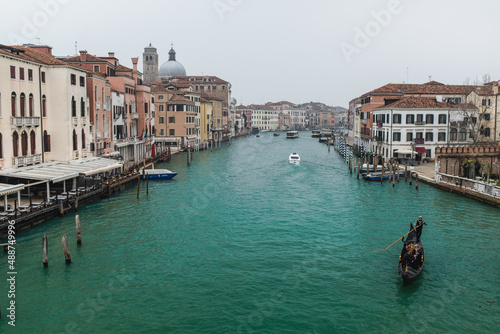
(420, 149)
(7, 189)
(404, 151)
(96, 165)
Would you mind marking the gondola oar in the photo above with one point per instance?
(413, 229)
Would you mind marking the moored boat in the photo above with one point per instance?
(411, 259)
(157, 174)
(378, 175)
(316, 133)
(276, 134)
(292, 134)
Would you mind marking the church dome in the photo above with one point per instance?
(171, 67)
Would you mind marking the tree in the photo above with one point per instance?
(476, 116)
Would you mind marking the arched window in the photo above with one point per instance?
(73, 107)
(32, 142)
(15, 144)
(75, 141)
(82, 108)
(30, 105)
(24, 143)
(46, 141)
(13, 99)
(1, 146)
(453, 134)
(44, 106)
(22, 101)
(463, 134)
(83, 139)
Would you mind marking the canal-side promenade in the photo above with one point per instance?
(468, 188)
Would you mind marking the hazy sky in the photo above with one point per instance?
(300, 51)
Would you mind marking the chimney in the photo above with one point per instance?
(83, 55)
(45, 49)
(111, 54)
(135, 60)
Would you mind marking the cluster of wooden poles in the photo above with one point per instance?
(393, 169)
(64, 241)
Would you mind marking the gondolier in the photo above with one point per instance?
(419, 224)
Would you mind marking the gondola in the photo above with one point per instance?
(412, 270)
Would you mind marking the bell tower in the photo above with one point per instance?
(150, 64)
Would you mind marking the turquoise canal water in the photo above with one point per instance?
(243, 242)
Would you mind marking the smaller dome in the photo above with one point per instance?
(171, 67)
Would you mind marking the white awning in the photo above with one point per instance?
(57, 171)
(50, 171)
(91, 166)
(404, 151)
(7, 189)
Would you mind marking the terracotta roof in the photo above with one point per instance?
(415, 102)
(179, 98)
(90, 59)
(432, 87)
(210, 97)
(121, 68)
(198, 79)
(30, 54)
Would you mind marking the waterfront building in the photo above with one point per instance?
(133, 138)
(361, 108)
(246, 114)
(47, 100)
(206, 119)
(411, 128)
(176, 117)
(264, 118)
(296, 117)
(216, 127)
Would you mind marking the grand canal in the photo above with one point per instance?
(243, 242)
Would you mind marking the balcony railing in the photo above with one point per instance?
(363, 121)
(135, 115)
(75, 121)
(419, 122)
(76, 155)
(27, 160)
(84, 120)
(25, 121)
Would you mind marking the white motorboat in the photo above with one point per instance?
(294, 158)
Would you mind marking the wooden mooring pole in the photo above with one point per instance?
(78, 226)
(406, 173)
(45, 251)
(416, 181)
(147, 184)
(138, 184)
(67, 256)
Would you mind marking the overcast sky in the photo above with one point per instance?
(300, 51)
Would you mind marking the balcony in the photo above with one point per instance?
(84, 120)
(76, 155)
(74, 120)
(363, 121)
(378, 139)
(25, 121)
(134, 115)
(84, 153)
(98, 135)
(420, 123)
(27, 160)
(98, 105)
